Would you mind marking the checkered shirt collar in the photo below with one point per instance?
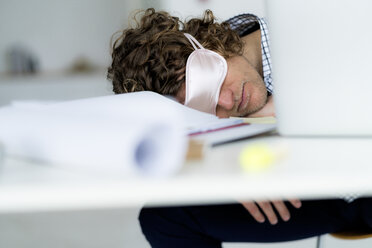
(243, 24)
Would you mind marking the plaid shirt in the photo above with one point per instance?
(247, 23)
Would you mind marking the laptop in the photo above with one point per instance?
(321, 52)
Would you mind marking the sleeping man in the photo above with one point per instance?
(223, 69)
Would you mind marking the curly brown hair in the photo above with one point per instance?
(152, 55)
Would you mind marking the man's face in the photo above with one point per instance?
(242, 93)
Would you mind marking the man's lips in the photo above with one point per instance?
(244, 99)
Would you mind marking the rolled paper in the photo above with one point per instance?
(128, 133)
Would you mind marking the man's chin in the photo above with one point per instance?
(254, 110)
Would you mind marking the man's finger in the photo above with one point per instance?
(282, 210)
(295, 203)
(254, 211)
(268, 211)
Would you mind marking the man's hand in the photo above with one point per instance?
(267, 110)
(268, 211)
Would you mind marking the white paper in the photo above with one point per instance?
(128, 133)
(190, 120)
(235, 134)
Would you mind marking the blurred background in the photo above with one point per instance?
(59, 50)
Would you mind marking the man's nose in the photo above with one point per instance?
(226, 99)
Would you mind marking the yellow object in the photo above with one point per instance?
(257, 157)
(349, 235)
(355, 234)
(258, 120)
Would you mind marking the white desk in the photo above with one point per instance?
(313, 168)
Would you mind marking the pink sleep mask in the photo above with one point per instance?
(205, 72)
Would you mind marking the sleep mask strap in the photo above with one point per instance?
(193, 41)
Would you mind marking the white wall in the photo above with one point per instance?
(58, 32)
(222, 9)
